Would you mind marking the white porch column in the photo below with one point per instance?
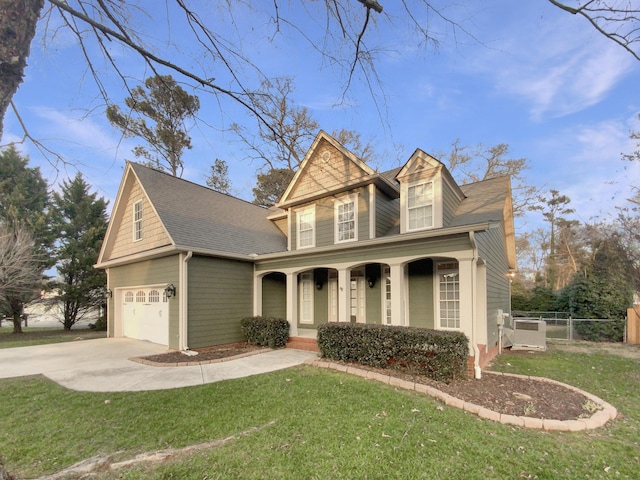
(257, 295)
(292, 303)
(344, 297)
(397, 273)
(467, 270)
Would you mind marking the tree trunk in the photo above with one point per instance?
(17, 324)
(18, 21)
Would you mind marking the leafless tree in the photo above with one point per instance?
(20, 273)
(290, 130)
(473, 164)
(341, 33)
(617, 20)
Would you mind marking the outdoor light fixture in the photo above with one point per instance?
(318, 284)
(108, 293)
(372, 282)
(170, 290)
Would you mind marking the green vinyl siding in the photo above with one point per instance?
(421, 307)
(374, 295)
(324, 222)
(320, 299)
(159, 271)
(450, 203)
(363, 215)
(387, 214)
(274, 295)
(492, 249)
(220, 295)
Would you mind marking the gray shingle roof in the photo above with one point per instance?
(484, 203)
(199, 218)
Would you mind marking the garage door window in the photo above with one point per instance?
(140, 296)
(154, 296)
(128, 297)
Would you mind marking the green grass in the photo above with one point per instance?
(43, 335)
(328, 425)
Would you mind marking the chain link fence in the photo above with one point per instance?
(562, 326)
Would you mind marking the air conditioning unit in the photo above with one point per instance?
(529, 334)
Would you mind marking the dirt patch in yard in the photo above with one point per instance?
(624, 350)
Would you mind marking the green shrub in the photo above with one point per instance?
(436, 354)
(266, 331)
(100, 325)
(610, 331)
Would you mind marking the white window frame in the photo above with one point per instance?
(137, 220)
(448, 318)
(387, 314)
(430, 202)
(341, 202)
(306, 295)
(357, 298)
(299, 213)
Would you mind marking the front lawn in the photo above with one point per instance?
(318, 424)
(42, 335)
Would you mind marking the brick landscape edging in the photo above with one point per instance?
(598, 419)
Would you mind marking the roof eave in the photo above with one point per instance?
(425, 234)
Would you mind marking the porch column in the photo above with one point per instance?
(257, 295)
(467, 271)
(292, 303)
(398, 281)
(344, 297)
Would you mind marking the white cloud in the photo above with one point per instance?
(592, 174)
(554, 66)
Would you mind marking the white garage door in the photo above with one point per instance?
(145, 314)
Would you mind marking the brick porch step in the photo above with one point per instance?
(301, 343)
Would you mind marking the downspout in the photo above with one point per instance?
(476, 351)
(184, 276)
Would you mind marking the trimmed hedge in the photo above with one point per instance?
(436, 354)
(266, 331)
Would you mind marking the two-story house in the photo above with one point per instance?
(345, 244)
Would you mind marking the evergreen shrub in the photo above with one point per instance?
(265, 331)
(435, 354)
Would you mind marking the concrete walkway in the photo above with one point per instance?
(103, 365)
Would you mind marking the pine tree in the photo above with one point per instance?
(81, 223)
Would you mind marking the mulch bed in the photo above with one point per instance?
(205, 354)
(501, 393)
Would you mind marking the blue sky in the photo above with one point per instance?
(529, 75)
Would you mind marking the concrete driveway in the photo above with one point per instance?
(103, 365)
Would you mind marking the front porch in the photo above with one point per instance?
(306, 339)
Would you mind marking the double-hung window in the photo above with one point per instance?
(137, 221)
(346, 219)
(420, 206)
(306, 227)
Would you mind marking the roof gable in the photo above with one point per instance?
(326, 167)
(203, 220)
(118, 240)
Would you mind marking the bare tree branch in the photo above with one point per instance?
(620, 24)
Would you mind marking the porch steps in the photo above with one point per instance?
(302, 343)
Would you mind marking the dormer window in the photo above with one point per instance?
(420, 206)
(137, 221)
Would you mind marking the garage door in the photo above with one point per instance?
(145, 314)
